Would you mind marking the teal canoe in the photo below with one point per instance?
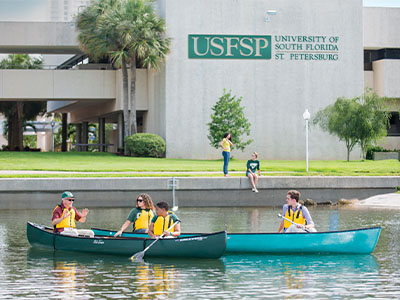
(197, 246)
(355, 241)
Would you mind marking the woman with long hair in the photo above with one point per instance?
(226, 145)
(140, 216)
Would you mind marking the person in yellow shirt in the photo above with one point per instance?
(226, 145)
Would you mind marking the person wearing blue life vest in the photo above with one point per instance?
(297, 213)
(164, 220)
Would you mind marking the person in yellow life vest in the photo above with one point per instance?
(297, 213)
(163, 220)
(65, 215)
(140, 216)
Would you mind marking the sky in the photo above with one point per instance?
(38, 10)
(384, 3)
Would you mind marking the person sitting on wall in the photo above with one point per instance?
(140, 216)
(162, 221)
(64, 215)
(297, 213)
(253, 165)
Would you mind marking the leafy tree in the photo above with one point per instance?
(228, 116)
(130, 33)
(361, 120)
(373, 120)
(19, 112)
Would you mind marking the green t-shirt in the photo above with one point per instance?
(253, 165)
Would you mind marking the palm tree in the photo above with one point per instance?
(130, 33)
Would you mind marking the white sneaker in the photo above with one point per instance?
(255, 190)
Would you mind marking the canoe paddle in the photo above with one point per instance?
(280, 216)
(138, 257)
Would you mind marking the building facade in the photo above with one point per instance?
(280, 56)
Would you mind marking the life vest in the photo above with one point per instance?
(67, 222)
(162, 224)
(296, 217)
(144, 219)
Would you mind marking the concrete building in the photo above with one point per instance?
(281, 57)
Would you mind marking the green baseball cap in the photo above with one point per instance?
(67, 194)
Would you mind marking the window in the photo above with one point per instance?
(394, 129)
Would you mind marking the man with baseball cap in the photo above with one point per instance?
(64, 215)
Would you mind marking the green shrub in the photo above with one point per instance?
(372, 149)
(145, 145)
(398, 188)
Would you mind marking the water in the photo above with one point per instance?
(27, 273)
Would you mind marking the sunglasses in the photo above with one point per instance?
(70, 199)
(139, 200)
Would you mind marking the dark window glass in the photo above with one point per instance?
(373, 55)
(394, 129)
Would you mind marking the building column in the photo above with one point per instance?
(102, 134)
(120, 132)
(78, 136)
(85, 135)
(64, 133)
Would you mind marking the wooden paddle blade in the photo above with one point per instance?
(138, 257)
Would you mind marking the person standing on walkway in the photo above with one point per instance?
(297, 213)
(65, 215)
(140, 216)
(253, 165)
(226, 145)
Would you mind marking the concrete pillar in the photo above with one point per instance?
(78, 136)
(102, 134)
(85, 135)
(120, 132)
(64, 133)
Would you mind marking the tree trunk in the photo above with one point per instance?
(15, 131)
(20, 130)
(64, 133)
(132, 119)
(125, 103)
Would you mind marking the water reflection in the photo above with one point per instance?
(79, 275)
(297, 276)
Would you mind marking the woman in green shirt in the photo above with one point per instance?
(140, 216)
(253, 165)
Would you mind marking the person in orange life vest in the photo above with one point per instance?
(64, 215)
(162, 221)
(296, 212)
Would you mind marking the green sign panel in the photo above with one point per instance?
(229, 46)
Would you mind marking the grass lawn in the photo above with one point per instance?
(105, 162)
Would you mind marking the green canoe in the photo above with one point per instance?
(199, 246)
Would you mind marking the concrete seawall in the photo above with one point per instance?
(190, 191)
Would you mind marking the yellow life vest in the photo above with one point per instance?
(162, 224)
(296, 217)
(69, 221)
(144, 219)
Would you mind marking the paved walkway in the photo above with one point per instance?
(27, 172)
(391, 200)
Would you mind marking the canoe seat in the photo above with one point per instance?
(78, 232)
